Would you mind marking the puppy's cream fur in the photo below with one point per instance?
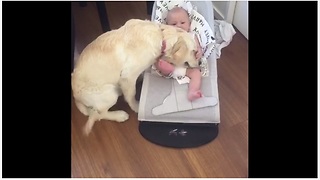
(111, 64)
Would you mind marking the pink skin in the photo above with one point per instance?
(194, 91)
(178, 17)
(194, 74)
(164, 67)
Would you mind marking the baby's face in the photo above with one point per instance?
(179, 18)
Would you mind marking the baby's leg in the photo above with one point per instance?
(194, 91)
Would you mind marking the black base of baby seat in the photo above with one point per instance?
(179, 135)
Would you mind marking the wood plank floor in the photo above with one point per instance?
(118, 150)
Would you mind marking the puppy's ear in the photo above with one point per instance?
(179, 48)
(163, 27)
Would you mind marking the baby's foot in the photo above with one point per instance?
(193, 95)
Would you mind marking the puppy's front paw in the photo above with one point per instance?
(122, 116)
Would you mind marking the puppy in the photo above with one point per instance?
(110, 65)
(180, 55)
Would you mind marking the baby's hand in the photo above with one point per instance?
(199, 50)
(199, 53)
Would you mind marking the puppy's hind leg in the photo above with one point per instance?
(82, 108)
(101, 110)
(119, 116)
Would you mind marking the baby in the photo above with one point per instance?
(178, 17)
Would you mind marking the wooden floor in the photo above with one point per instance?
(118, 150)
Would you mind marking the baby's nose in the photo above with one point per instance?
(178, 25)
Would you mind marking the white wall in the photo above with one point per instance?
(224, 10)
(220, 7)
(240, 18)
(233, 12)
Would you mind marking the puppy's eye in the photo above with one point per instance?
(186, 64)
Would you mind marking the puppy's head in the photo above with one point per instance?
(180, 47)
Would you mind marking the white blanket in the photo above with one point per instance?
(224, 32)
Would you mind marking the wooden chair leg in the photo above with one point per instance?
(149, 7)
(103, 15)
(82, 4)
(72, 43)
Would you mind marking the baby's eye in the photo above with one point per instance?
(182, 22)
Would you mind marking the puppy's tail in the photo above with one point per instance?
(93, 117)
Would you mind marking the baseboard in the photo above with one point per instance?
(226, 16)
(217, 14)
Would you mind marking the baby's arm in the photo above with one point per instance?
(199, 49)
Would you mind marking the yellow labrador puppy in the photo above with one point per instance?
(111, 64)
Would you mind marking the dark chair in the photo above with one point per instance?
(149, 7)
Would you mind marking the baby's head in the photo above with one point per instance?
(179, 17)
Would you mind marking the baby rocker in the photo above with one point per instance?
(166, 117)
